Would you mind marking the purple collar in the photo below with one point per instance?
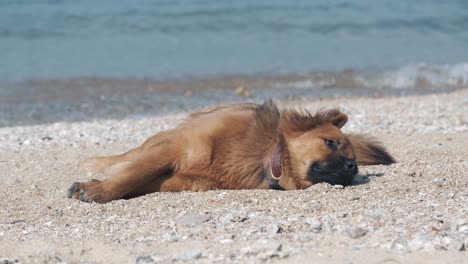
(276, 167)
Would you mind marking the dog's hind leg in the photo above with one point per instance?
(101, 164)
(176, 182)
(134, 177)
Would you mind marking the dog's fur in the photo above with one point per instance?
(231, 147)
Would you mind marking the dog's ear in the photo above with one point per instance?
(296, 120)
(368, 151)
(302, 120)
(266, 118)
(334, 116)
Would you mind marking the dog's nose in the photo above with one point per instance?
(350, 164)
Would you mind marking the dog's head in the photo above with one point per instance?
(318, 151)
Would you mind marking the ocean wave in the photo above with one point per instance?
(421, 78)
(420, 75)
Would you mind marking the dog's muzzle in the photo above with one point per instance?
(339, 171)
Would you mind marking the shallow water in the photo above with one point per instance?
(64, 39)
(75, 49)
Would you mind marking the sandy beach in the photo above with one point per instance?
(414, 211)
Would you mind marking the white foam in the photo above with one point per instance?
(420, 75)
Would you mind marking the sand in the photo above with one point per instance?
(413, 211)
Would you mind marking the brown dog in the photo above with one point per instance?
(245, 146)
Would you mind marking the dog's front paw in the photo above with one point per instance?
(90, 191)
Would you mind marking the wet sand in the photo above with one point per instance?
(413, 211)
(39, 101)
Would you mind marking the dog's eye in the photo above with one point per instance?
(330, 143)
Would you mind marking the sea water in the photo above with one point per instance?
(380, 43)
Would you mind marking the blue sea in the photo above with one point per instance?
(298, 44)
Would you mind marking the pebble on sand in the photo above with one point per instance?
(193, 219)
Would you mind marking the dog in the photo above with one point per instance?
(241, 146)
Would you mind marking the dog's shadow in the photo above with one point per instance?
(365, 178)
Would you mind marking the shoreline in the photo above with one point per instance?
(415, 210)
(413, 78)
(139, 98)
